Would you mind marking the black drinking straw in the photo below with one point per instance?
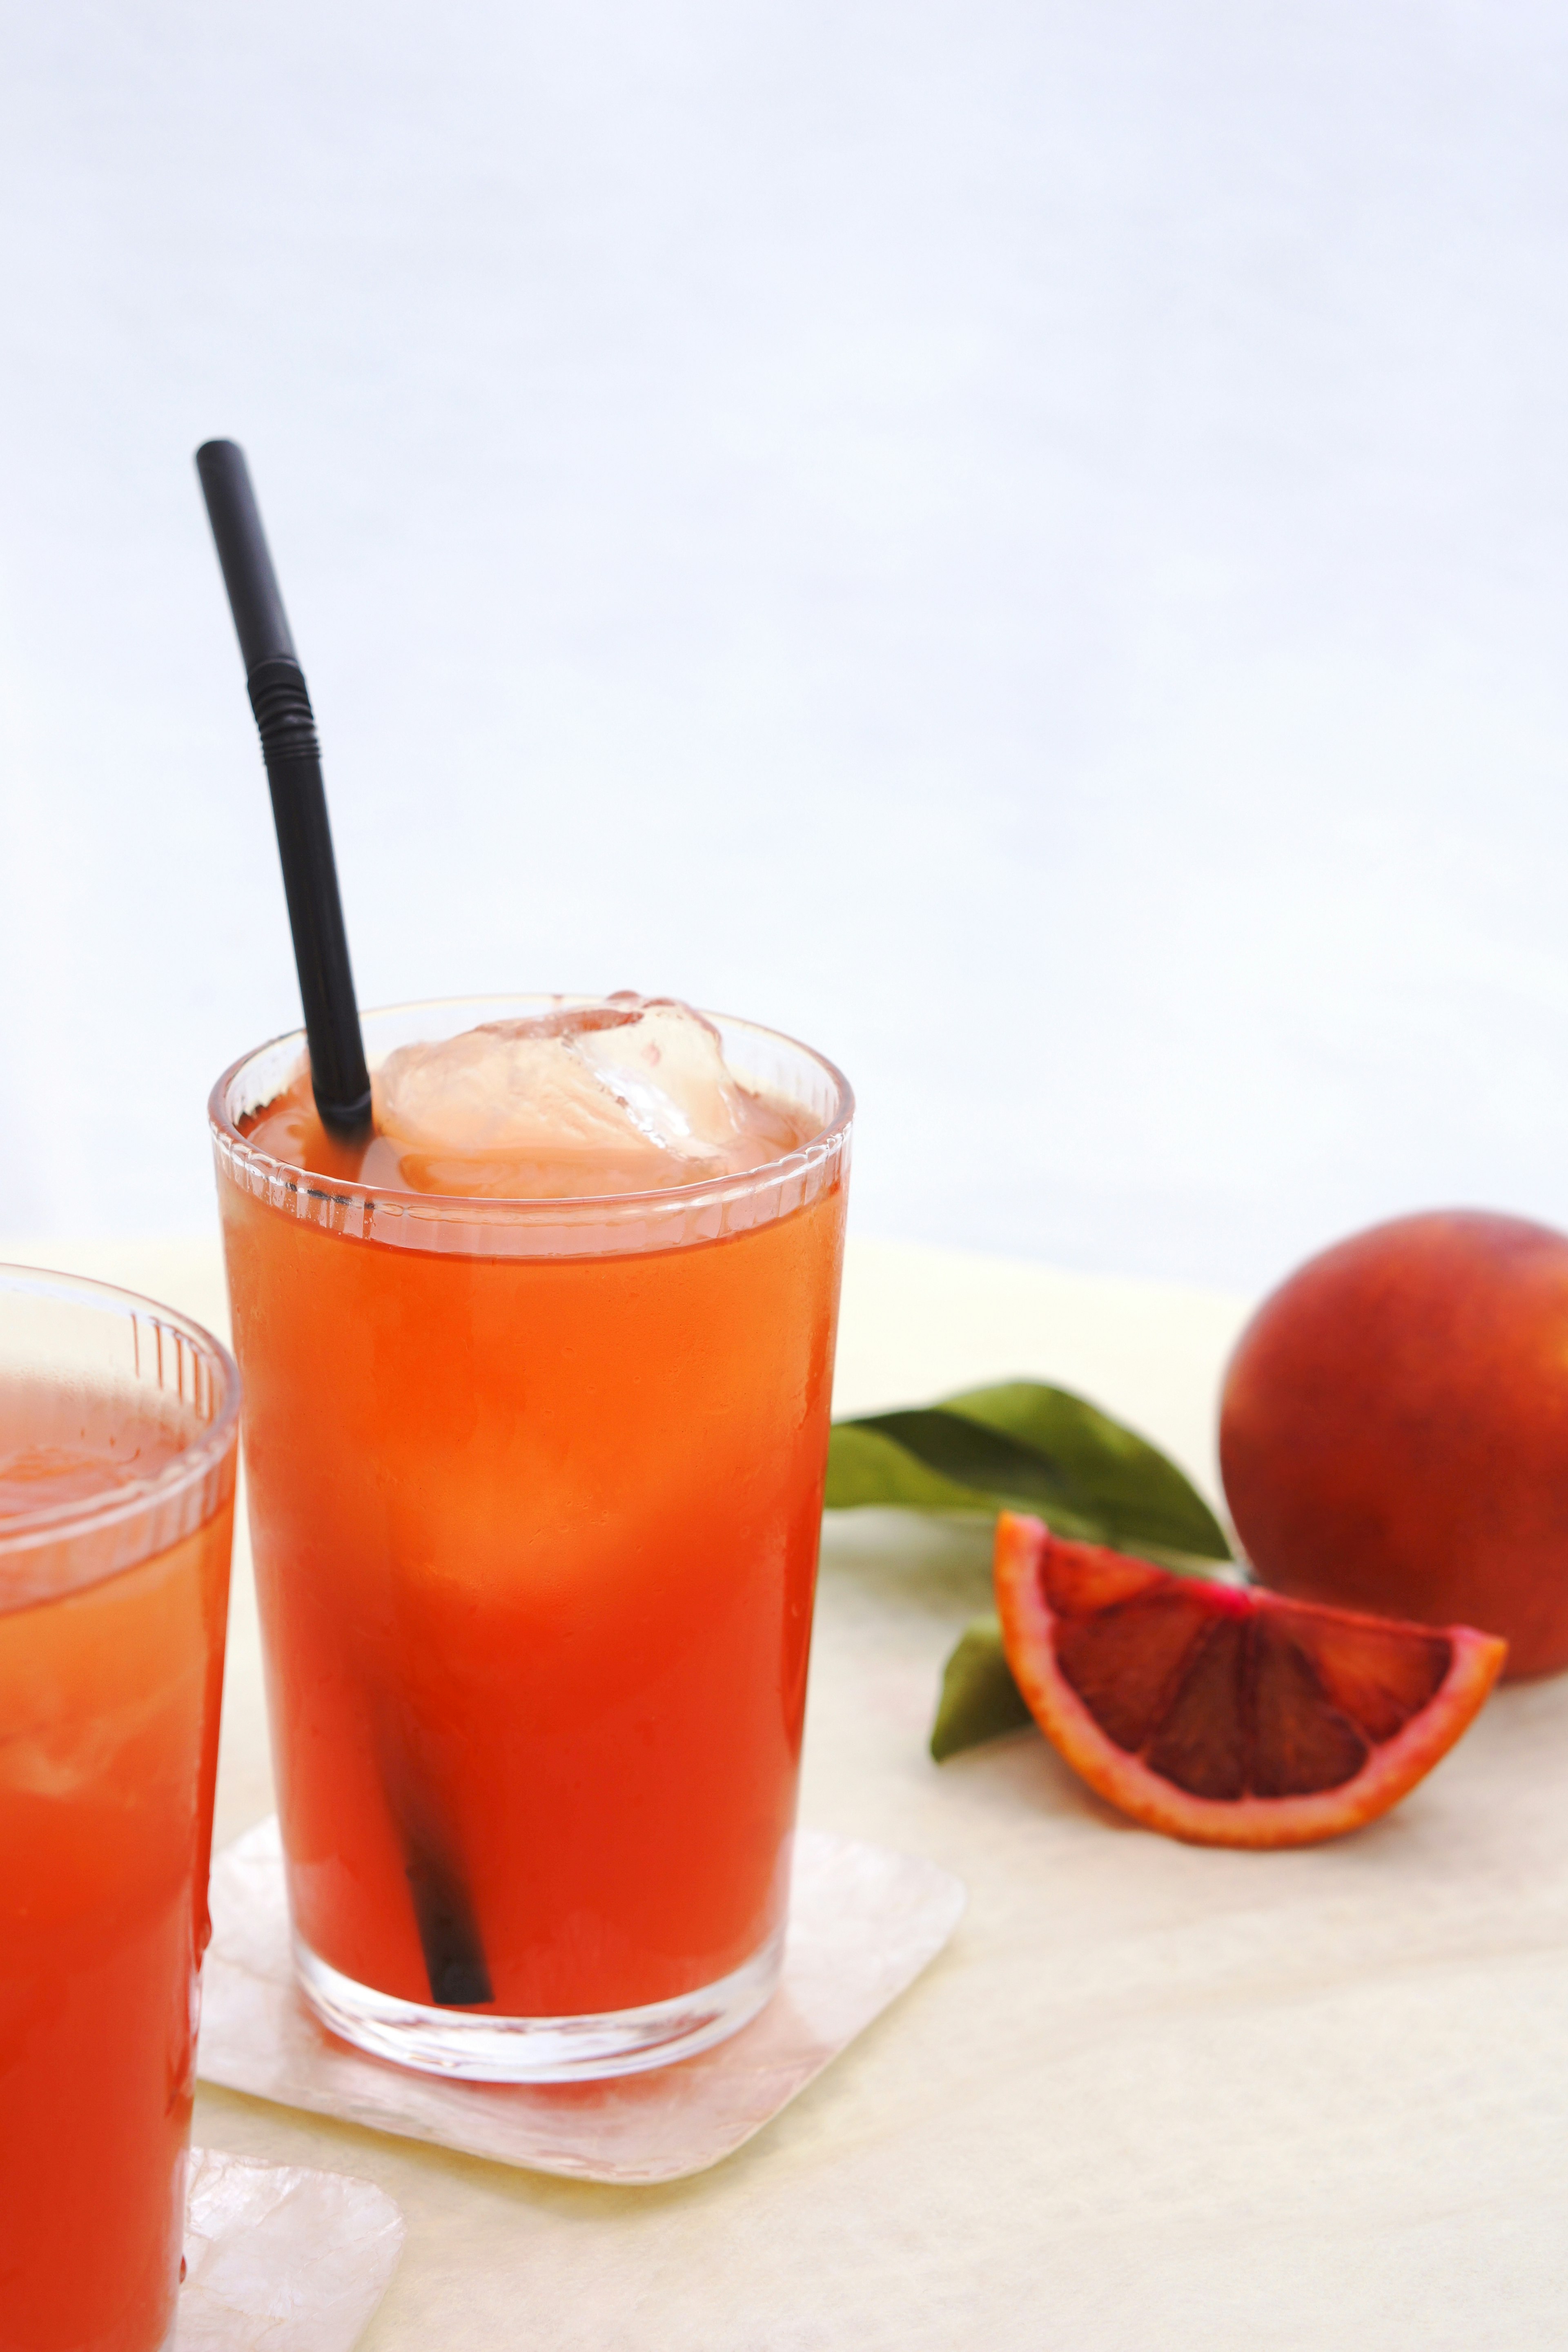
(281, 702)
(449, 1932)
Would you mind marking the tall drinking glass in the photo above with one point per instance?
(535, 1491)
(118, 1421)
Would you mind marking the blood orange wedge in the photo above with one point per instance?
(1218, 1713)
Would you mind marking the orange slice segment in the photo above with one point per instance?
(1219, 1714)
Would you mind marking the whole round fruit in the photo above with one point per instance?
(1394, 1431)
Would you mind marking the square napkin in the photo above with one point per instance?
(278, 2259)
(863, 1924)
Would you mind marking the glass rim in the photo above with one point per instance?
(483, 1209)
(59, 1522)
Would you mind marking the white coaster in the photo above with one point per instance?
(863, 1924)
(279, 2259)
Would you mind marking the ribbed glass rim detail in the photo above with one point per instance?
(595, 1225)
(187, 1362)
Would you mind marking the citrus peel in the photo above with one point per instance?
(1218, 1713)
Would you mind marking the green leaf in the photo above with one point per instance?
(1021, 1445)
(865, 1466)
(979, 1700)
(1133, 1488)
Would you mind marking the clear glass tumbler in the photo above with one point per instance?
(118, 1423)
(535, 1494)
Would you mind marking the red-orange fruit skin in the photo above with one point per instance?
(1394, 1430)
(1030, 1628)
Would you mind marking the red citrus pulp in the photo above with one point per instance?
(1219, 1713)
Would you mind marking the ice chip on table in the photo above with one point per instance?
(627, 1094)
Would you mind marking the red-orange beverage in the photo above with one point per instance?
(117, 1437)
(536, 1473)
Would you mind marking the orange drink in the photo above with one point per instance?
(118, 1422)
(537, 1397)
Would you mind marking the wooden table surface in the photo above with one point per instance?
(1148, 2097)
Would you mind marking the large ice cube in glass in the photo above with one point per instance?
(627, 1094)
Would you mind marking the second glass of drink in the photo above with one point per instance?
(118, 1422)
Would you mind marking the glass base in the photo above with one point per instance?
(474, 2046)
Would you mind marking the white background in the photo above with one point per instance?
(1026, 543)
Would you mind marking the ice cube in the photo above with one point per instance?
(505, 1088)
(666, 1069)
(628, 1094)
